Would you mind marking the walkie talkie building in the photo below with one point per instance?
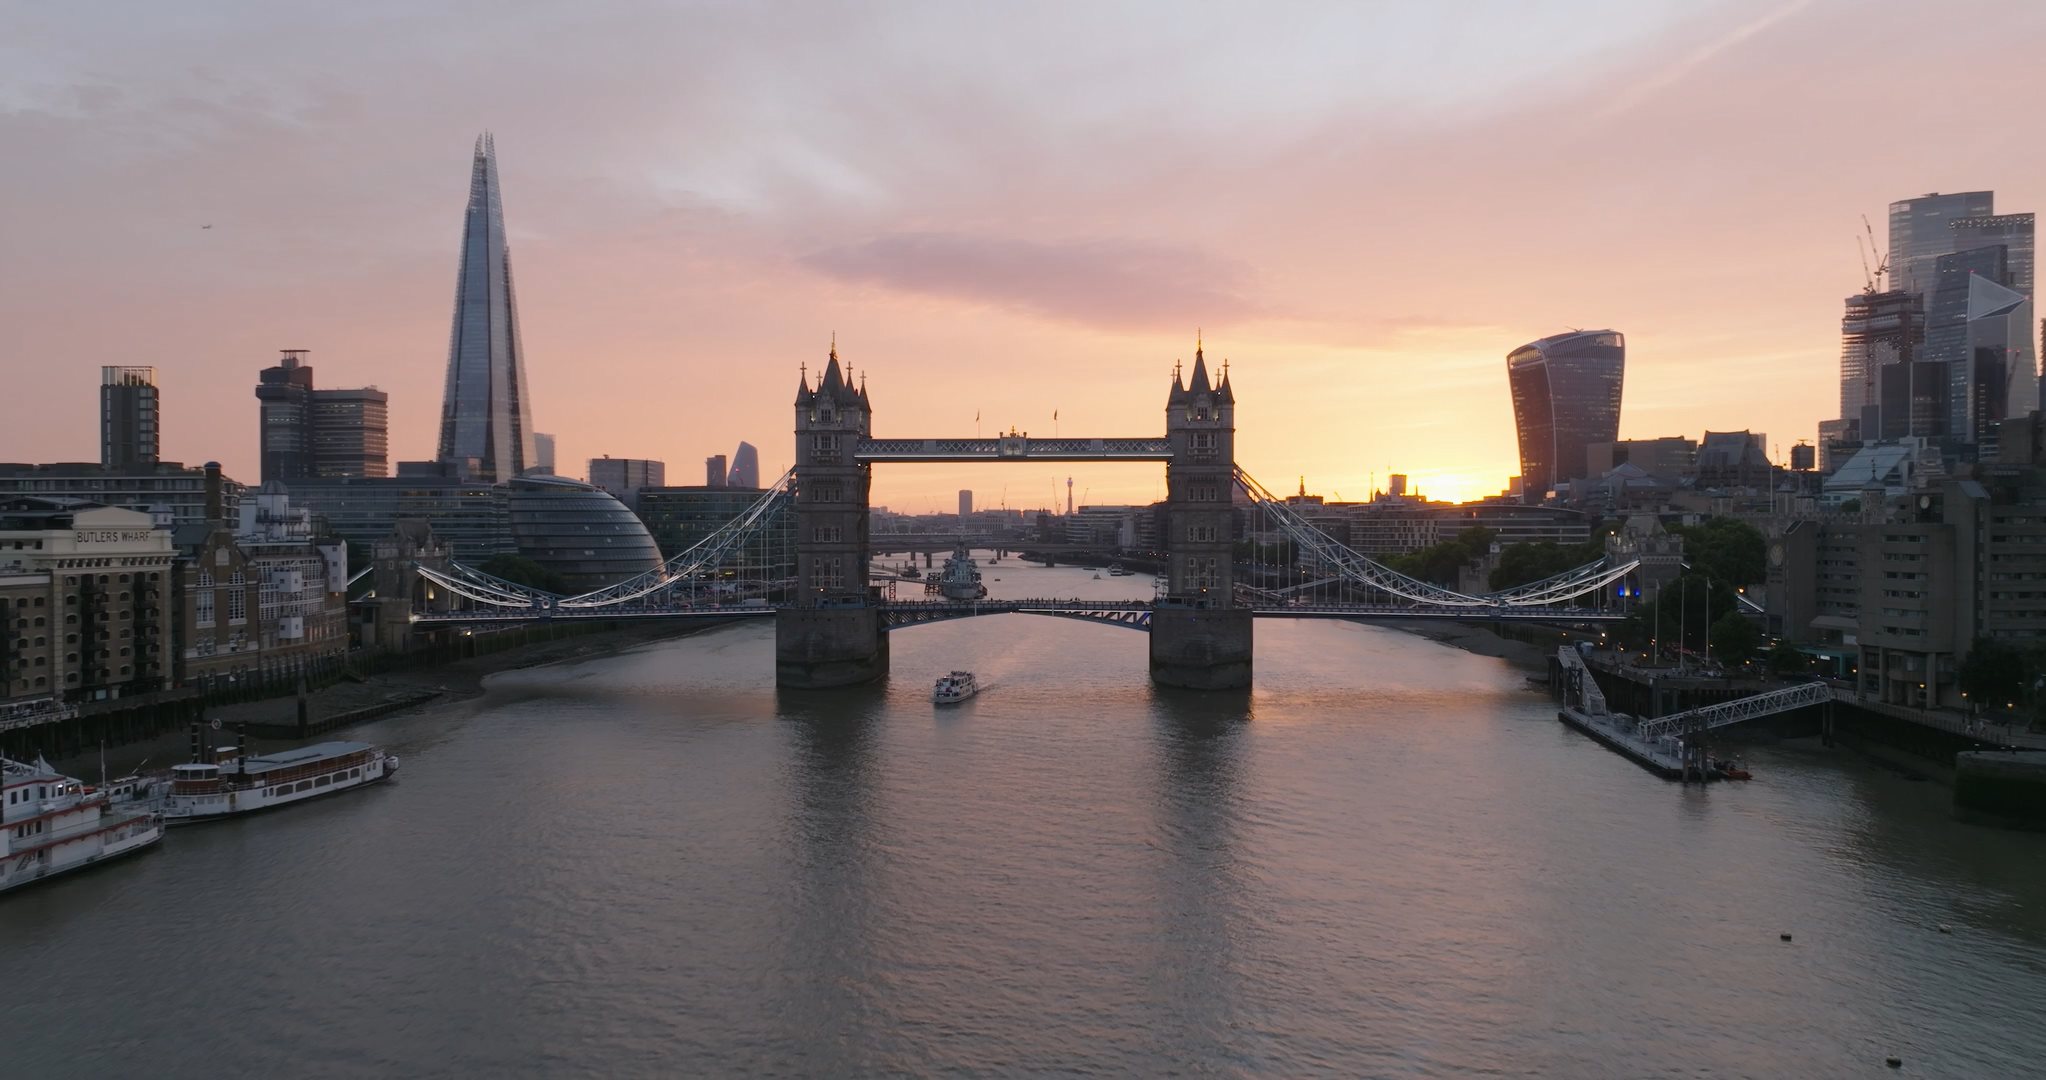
(1566, 396)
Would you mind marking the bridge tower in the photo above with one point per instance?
(832, 634)
(1200, 638)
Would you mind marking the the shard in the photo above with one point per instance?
(486, 419)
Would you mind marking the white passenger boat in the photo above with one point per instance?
(237, 782)
(955, 688)
(51, 823)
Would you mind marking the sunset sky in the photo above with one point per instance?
(1003, 209)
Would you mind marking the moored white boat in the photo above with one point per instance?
(237, 782)
(51, 823)
(955, 687)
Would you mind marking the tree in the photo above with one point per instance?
(1726, 549)
(1995, 672)
(1735, 639)
(1787, 659)
(520, 570)
(1440, 563)
(1522, 564)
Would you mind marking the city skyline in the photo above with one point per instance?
(1346, 238)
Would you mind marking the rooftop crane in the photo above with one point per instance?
(1872, 281)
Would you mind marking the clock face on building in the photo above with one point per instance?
(1776, 554)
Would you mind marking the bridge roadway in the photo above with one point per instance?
(1132, 613)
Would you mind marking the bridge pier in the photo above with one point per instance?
(1201, 649)
(823, 648)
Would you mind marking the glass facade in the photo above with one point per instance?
(1566, 396)
(745, 471)
(1879, 329)
(127, 417)
(486, 425)
(468, 516)
(584, 534)
(1921, 230)
(1980, 328)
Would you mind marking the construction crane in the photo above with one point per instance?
(1872, 281)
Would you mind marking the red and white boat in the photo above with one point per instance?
(51, 823)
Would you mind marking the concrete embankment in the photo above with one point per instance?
(353, 701)
(2005, 787)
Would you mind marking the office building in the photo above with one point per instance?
(351, 432)
(486, 425)
(624, 476)
(85, 601)
(714, 472)
(167, 491)
(1566, 396)
(745, 472)
(965, 504)
(1733, 459)
(681, 517)
(1671, 456)
(261, 600)
(307, 432)
(543, 452)
(1921, 230)
(2013, 233)
(128, 416)
(468, 516)
(1981, 330)
(1878, 331)
(284, 419)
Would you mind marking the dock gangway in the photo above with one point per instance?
(1755, 706)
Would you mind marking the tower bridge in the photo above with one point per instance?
(801, 555)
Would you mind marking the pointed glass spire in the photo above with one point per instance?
(486, 417)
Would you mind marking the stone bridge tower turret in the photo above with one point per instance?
(1200, 638)
(832, 634)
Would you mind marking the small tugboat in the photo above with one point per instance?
(237, 782)
(954, 688)
(1119, 570)
(51, 823)
(1732, 769)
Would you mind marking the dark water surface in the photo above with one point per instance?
(1387, 859)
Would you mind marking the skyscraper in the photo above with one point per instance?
(1921, 230)
(714, 472)
(351, 432)
(127, 417)
(965, 503)
(745, 472)
(1566, 396)
(486, 419)
(624, 477)
(283, 421)
(1879, 329)
(1980, 328)
(543, 450)
(305, 432)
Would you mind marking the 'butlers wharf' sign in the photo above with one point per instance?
(112, 536)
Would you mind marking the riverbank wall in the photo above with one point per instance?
(2006, 787)
(371, 688)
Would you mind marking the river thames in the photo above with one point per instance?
(1386, 859)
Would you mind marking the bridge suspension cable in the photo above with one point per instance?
(1359, 570)
(693, 571)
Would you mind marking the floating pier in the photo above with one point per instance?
(1669, 746)
(1662, 755)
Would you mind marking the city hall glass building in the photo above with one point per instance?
(1566, 396)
